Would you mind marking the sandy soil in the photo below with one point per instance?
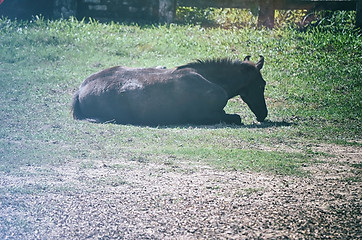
(124, 199)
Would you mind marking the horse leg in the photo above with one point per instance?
(218, 117)
(228, 118)
(231, 119)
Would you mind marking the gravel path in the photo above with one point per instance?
(145, 200)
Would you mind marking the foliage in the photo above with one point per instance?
(335, 21)
(285, 18)
(211, 17)
(233, 18)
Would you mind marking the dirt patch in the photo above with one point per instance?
(126, 199)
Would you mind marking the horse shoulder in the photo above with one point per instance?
(197, 81)
(201, 91)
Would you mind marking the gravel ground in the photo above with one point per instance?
(120, 199)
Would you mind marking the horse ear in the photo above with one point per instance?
(260, 64)
(247, 58)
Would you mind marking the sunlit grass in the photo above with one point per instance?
(313, 84)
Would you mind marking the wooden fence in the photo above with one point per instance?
(164, 10)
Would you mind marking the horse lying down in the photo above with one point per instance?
(195, 93)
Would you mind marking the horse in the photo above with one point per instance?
(194, 93)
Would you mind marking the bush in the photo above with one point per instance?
(230, 18)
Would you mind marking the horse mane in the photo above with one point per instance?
(215, 62)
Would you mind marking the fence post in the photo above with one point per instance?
(65, 8)
(167, 10)
(266, 13)
(359, 14)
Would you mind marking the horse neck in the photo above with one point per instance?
(225, 77)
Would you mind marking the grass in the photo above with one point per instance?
(313, 94)
(244, 160)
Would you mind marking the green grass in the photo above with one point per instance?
(313, 79)
(244, 160)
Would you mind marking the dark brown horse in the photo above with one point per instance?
(194, 93)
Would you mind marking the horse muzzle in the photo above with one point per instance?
(262, 117)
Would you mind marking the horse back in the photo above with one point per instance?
(149, 95)
(117, 76)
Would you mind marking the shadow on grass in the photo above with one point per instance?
(265, 124)
(269, 124)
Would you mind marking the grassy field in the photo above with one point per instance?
(313, 86)
(313, 94)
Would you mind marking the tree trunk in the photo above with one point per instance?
(167, 10)
(266, 13)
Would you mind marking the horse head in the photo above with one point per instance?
(253, 93)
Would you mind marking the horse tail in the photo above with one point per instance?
(77, 113)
